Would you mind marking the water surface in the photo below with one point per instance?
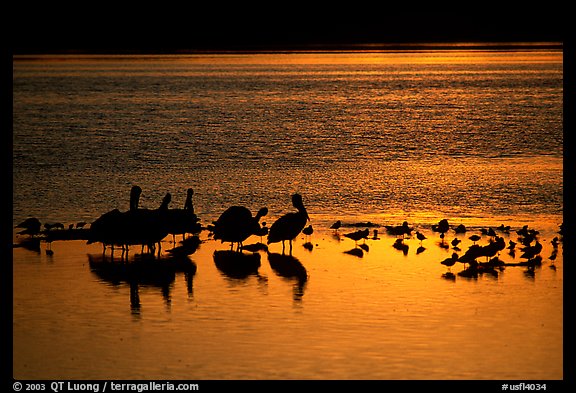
(472, 136)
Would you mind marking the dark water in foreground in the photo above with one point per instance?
(472, 136)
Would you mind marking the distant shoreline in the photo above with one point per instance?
(298, 48)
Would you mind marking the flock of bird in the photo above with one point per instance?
(148, 227)
(530, 246)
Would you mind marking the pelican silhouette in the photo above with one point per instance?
(135, 193)
(236, 224)
(136, 226)
(146, 227)
(188, 204)
(183, 221)
(31, 226)
(289, 225)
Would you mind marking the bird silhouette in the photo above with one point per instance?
(358, 235)
(146, 227)
(183, 221)
(442, 226)
(188, 205)
(420, 236)
(262, 231)
(399, 230)
(336, 225)
(529, 252)
(475, 238)
(31, 226)
(308, 231)
(237, 224)
(135, 193)
(460, 229)
(288, 226)
(449, 262)
(455, 242)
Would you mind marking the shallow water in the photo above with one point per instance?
(472, 136)
(383, 316)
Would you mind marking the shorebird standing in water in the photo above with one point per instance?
(183, 221)
(336, 225)
(358, 235)
(308, 231)
(455, 242)
(420, 236)
(289, 225)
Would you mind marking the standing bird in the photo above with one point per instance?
(442, 226)
(449, 262)
(336, 225)
(262, 231)
(289, 225)
(308, 231)
(183, 221)
(420, 236)
(460, 229)
(358, 235)
(135, 227)
(236, 224)
(399, 230)
(188, 204)
(455, 242)
(135, 193)
(31, 226)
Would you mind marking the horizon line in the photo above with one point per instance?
(249, 48)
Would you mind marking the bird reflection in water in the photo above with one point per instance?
(237, 265)
(401, 246)
(290, 268)
(143, 271)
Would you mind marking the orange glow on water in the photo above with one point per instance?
(413, 140)
(368, 316)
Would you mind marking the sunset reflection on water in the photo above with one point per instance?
(473, 136)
